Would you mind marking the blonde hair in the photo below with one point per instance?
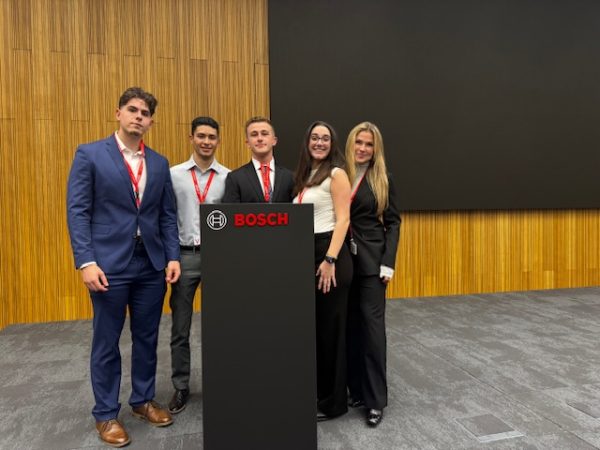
(377, 174)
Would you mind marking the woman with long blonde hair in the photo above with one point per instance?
(373, 240)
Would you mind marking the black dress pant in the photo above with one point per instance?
(331, 317)
(366, 341)
(182, 307)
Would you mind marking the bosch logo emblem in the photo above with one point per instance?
(216, 220)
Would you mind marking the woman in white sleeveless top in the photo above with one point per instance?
(321, 180)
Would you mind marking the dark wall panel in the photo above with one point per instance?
(482, 104)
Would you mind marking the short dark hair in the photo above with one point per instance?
(138, 92)
(258, 119)
(205, 120)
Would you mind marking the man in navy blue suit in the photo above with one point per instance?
(123, 227)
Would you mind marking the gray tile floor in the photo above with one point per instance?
(499, 371)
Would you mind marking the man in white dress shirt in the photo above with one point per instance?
(201, 179)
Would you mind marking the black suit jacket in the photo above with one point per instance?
(376, 242)
(242, 186)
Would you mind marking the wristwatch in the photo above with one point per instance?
(330, 259)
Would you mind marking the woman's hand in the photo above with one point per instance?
(326, 274)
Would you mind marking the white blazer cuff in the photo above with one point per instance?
(385, 271)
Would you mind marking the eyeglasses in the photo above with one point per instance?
(316, 138)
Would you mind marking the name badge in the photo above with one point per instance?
(353, 247)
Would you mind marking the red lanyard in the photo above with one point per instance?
(358, 185)
(135, 181)
(202, 196)
(301, 195)
(351, 200)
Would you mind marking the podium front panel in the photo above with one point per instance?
(258, 327)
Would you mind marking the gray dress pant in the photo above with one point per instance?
(181, 302)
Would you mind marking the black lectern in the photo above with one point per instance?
(258, 327)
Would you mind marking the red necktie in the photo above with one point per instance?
(264, 169)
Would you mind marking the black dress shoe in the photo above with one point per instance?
(321, 416)
(355, 402)
(374, 417)
(179, 400)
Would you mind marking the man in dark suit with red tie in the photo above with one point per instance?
(261, 180)
(123, 227)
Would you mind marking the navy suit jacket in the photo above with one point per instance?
(242, 186)
(103, 217)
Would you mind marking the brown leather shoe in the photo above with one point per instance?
(153, 413)
(111, 432)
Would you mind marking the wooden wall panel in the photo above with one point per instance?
(78, 62)
(162, 29)
(134, 32)
(8, 225)
(21, 24)
(95, 19)
(6, 53)
(214, 74)
(196, 81)
(446, 253)
(63, 64)
(132, 71)
(198, 29)
(260, 33)
(59, 30)
(261, 90)
(169, 98)
(99, 85)
(231, 15)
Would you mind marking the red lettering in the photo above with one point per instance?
(260, 220)
(282, 218)
(250, 220)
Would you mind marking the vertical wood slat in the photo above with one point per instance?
(8, 225)
(233, 28)
(59, 30)
(62, 90)
(260, 33)
(95, 19)
(198, 90)
(79, 87)
(198, 29)
(98, 68)
(133, 32)
(260, 106)
(162, 29)
(21, 24)
(43, 89)
(6, 68)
